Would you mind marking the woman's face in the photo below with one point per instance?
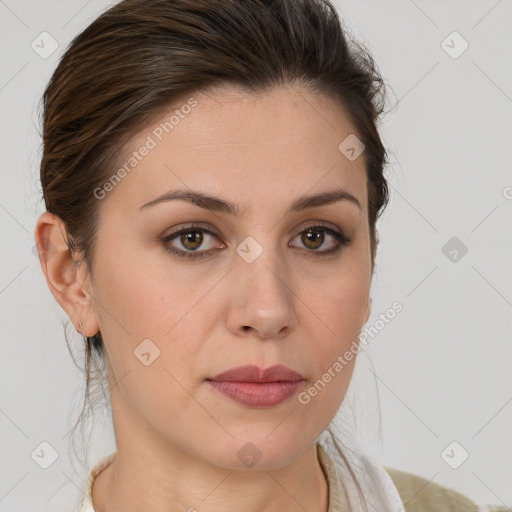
(262, 289)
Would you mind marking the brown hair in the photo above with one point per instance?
(140, 56)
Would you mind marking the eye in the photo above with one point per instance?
(313, 237)
(190, 238)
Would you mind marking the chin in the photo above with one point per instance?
(259, 451)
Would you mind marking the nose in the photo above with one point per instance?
(262, 301)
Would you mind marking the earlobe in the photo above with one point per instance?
(61, 273)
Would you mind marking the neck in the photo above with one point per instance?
(142, 481)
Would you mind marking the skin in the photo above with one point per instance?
(177, 438)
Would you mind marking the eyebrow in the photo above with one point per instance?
(216, 204)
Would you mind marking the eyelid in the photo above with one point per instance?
(208, 228)
(191, 226)
(323, 224)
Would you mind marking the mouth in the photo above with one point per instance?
(251, 373)
(256, 387)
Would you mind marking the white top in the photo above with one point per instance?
(377, 487)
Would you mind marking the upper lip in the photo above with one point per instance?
(251, 373)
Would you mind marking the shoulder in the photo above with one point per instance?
(422, 495)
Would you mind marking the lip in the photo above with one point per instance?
(256, 387)
(251, 373)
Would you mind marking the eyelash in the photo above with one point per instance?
(338, 236)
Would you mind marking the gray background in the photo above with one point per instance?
(438, 373)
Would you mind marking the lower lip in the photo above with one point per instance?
(257, 394)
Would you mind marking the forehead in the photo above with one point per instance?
(231, 143)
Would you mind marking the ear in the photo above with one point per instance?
(68, 282)
(367, 310)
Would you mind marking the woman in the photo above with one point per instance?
(213, 173)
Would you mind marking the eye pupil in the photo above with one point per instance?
(314, 236)
(194, 237)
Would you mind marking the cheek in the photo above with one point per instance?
(340, 303)
(156, 394)
(143, 297)
(335, 352)
(141, 294)
(339, 315)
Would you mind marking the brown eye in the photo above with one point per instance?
(189, 242)
(312, 238)
(191, 239)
